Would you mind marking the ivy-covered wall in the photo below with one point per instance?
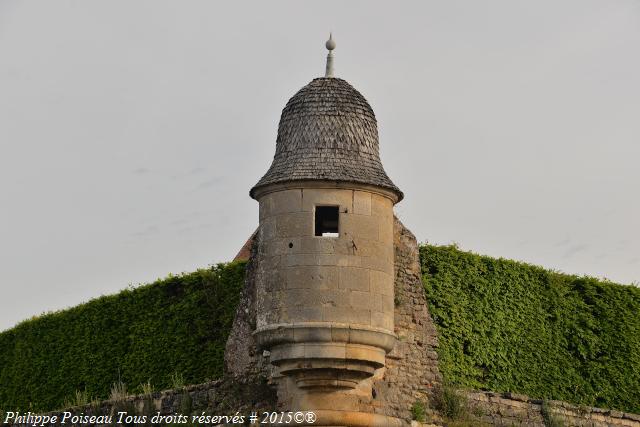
(174, 327)
(503, 326)
(509, 326)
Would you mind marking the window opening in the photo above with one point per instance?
(327, 221)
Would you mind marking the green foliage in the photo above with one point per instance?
(80, 398)
(549, 418)
(139, 336)
(147, 388)
(508, 326)
(418, 411)
(118, 392)
(451, 403)
(176, 381)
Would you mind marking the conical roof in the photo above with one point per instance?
(327, 132)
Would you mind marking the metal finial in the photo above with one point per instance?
(330, 45)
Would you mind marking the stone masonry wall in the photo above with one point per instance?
(509, 409)
(411, 372)
(243, 362)
(221, 397)
(224, 397)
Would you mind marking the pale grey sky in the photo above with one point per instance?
(131, 131)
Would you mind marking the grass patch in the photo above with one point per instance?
(118, 392)
(550, 419)
(418, 411)
(451, 403)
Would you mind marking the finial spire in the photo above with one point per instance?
(330, 45)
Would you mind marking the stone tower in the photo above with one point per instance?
(325, 279)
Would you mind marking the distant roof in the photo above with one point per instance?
(245, 251)
(327, 132)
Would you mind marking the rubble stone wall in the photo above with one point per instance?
(411, 372)
(221, 397)
(509, 409)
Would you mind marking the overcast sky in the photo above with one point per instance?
(131, 131)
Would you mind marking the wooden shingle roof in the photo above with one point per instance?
(327, 132)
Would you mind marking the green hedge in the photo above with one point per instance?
(503, 326)
(509, 326)
(176, 325)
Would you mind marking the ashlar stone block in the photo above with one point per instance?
(375, 301)
(317, 298)
(312, 197)
(381, 283)
(349, 315)
(267, 229)
(381, 206)
(388, 304)
(347, 260)
(382, 320)
(359, 299)
(378, 264)
(319, 245)
(361, 203)
(282, 246)
(385, 230)
(325, 351)
(354, 278)
(303, 314)
(311, 277)
(264, 208)
(361, 226)
(285, 201)
(297, 224)
(367, 247)
(319, 259)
